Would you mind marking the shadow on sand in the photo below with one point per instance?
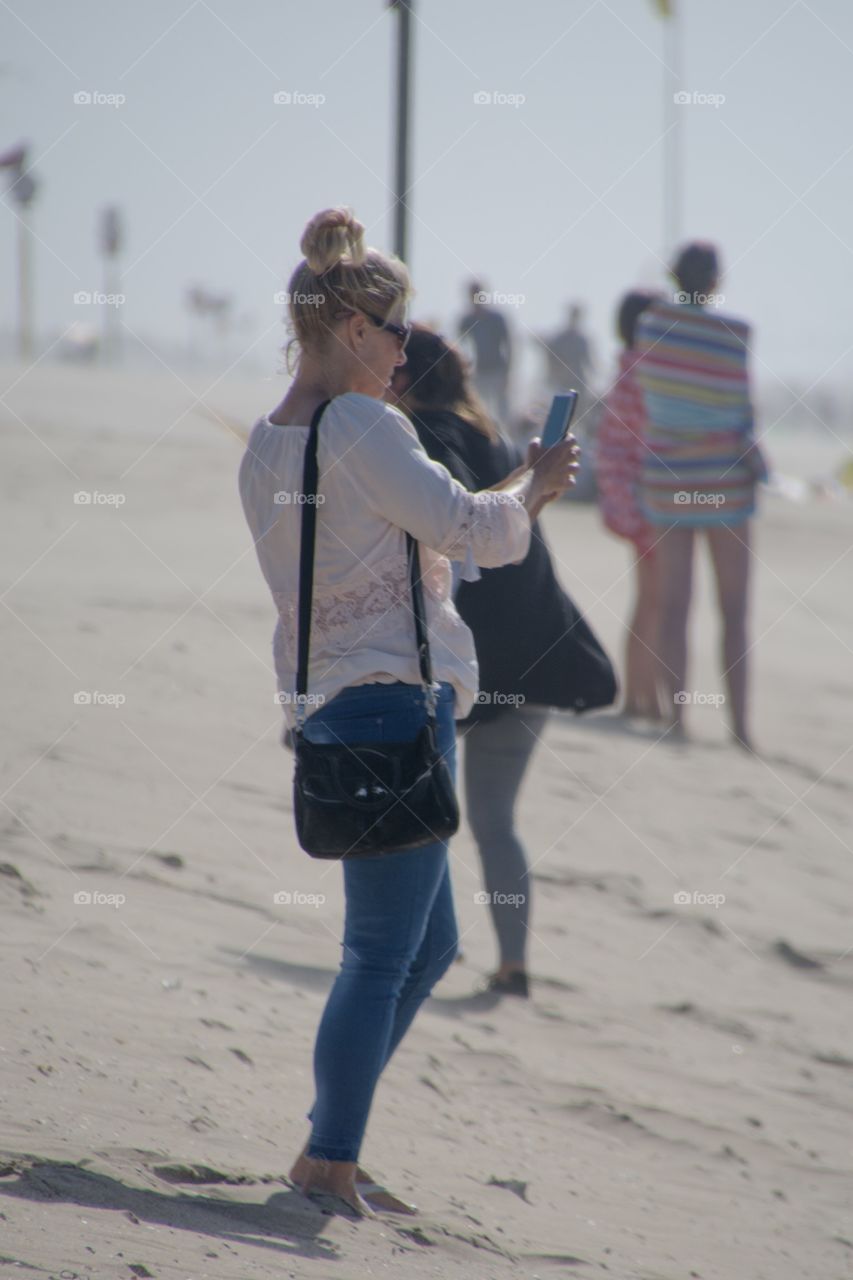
(286, 1222)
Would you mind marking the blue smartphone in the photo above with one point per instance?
(559, 419)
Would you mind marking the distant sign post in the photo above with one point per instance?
(22, 190)
(110, 242)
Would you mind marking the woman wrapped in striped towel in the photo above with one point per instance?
(700, 470)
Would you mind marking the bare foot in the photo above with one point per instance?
(509, 980)
(380, 1197)
(332, 1177)
(637, 710)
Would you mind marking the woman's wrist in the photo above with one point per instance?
(511, 479)
(534, 510)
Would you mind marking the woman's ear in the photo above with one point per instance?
(356, 330)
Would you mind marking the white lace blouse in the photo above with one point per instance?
(375, 482)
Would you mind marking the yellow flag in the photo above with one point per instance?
(664, 7)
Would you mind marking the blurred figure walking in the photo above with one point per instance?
(569, 361)
(534, 649)
(486, 331)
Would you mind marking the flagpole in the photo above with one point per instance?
(673, 188)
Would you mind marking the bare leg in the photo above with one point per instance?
(642, 692)
(730, 556)
(632, 703)
(674, 553)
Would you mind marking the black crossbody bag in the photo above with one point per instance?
(354, 800)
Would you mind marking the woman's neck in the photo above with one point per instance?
(314, 382)
(318, 380)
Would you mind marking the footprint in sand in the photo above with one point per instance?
(797, 959)
(707, 1018)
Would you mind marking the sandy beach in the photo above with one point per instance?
(674, 1101)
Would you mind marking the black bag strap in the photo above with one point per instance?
(310, 476)
(306, 554)
(421, 637)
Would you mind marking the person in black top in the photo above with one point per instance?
(534, 649)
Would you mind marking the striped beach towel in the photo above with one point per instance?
(693, 374)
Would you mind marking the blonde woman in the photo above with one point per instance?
(376, 483)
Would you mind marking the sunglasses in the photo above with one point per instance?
(401, 332)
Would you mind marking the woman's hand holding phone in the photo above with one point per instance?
(553, 471)
(546, 474)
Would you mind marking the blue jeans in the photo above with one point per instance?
(400, 931)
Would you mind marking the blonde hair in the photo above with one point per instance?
(339, 274)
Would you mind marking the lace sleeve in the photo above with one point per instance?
(489, 527)
(400, 482)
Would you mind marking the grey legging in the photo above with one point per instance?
(497, 753)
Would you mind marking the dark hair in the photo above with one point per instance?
(631, 308)
(697, 267)
(438, 377)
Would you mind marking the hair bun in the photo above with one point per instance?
(333, 236)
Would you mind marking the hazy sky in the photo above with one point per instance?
(555, 197)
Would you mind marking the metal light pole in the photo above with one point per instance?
(404, 10)
(25, 277)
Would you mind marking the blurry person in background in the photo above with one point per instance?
(569, 361)
(533, 648)
(701, 468)
(619, 454)
(486, 332)
(569, 365)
